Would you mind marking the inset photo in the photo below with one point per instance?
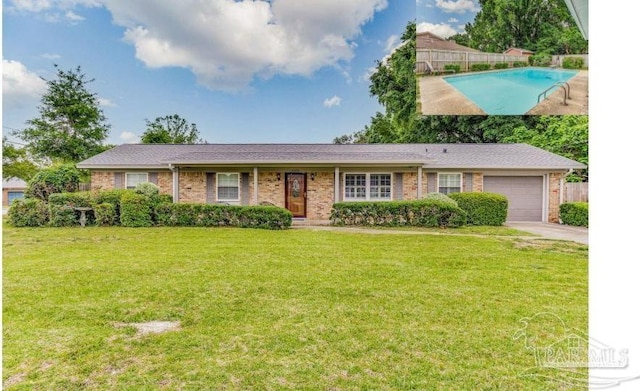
(502, 57)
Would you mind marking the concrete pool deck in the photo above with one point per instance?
(437, 97)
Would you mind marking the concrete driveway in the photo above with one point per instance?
(553, 231)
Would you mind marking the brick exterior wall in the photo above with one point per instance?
(319, 195)
(101, 180)
(165, 182)
(270, 189)
(555, 180)
(193, 187)
(478, 180)
(410, 186)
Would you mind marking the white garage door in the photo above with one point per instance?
(523, 192)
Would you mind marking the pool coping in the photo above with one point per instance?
(437, 97)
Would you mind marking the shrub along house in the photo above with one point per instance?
(308, 178)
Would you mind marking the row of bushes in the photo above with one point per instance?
(435, 210)
(142, 207)
(485, 66)
(575, 213)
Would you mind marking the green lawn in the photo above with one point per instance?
(294, 309)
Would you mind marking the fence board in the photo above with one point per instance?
(576, 192)
(439, 58)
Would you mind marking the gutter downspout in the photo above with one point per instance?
(176, 182)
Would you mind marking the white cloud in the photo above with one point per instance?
(20, 87)
(452, 20)
(392, 43)
(457, 6)
(229, 43)
(73, 17)
(129, 137)
(50, 56)
(333, 101)
(442, 30)
(104, 102)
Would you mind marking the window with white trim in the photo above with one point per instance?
(449, 183)
(363, 187)
(228, 186)
(133, 178)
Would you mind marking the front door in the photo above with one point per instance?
(296, 194)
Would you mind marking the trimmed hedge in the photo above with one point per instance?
(62, 216)
(53, 180)
(483, 208)
(501, 65)
(423, 213)
(105, 214)
(29, 213)
(573, 62)
(452, 67)
(206, 215)
(135, 210)
(575, 213)
(78, 199)
(439, 197)
(520, 64)
(480, 67)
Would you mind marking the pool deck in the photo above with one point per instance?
(437, 97)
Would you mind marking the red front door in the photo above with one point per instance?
(296, 194)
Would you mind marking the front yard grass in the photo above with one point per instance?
(293, 309)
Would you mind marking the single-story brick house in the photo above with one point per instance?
(308, 178)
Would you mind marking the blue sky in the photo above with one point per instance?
(445, 17)
(243, 71)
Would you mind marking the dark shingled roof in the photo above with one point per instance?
(467, 156)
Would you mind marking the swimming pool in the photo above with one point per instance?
(510, 92)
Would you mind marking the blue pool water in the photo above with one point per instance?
(509, 92)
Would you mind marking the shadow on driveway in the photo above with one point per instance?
(553, 231)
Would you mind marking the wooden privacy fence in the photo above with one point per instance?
(576, 192)
(437, 59)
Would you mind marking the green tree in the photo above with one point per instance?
(545, 26)
(171, 129)
(71, 126)
(16, 162)
(566, 135)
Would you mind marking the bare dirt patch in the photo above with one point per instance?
(153, 327)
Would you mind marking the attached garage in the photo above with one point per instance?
(525, 195)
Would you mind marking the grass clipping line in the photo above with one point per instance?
(153, 327)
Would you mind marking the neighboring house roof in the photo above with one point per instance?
(468, 156)
(429, 40)
(14, 183)
(521, 51)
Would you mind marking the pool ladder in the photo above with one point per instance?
(564, 85)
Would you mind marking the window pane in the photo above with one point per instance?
(355, 186)
(380, 186)
(228, 187)
(450, 183)
(134, 178)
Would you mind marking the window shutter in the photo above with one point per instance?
(397, 186)
(432, 182)
(467, 181)
(118, 180)
(153, 177)
(211, 189)
(244, 189)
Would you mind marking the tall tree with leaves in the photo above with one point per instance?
(171, 129)
(16, 162)
(544, 26)
(71, 126)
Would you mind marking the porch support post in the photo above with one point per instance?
(175, 172)
(255, 185)
(419, 182)
(336, 185)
